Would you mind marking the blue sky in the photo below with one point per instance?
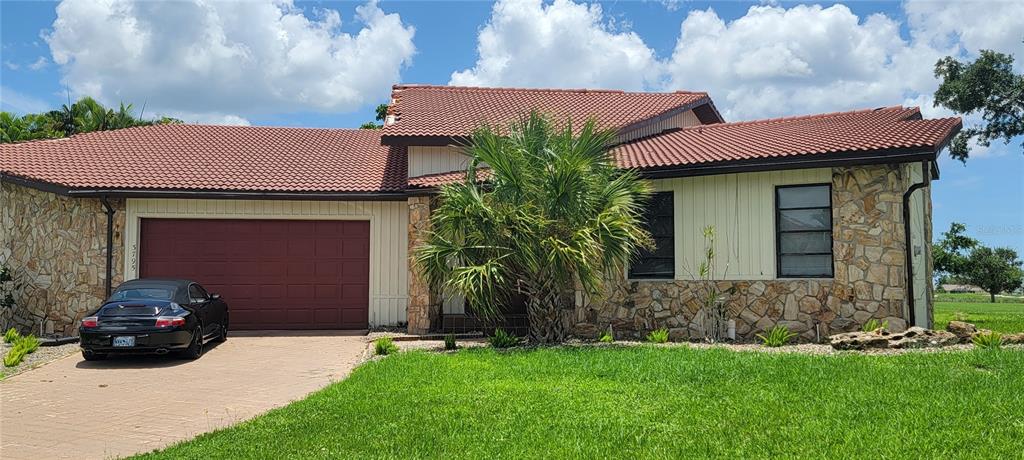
(340, 59)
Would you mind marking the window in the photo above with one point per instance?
(803, 231)
(659, 263)
(196, 293)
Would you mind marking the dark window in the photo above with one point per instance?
(659, 263)
(196, 293)
(803, 230)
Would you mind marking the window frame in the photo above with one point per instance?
(630, 275)
(779, 232)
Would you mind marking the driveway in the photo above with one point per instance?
(71, 408)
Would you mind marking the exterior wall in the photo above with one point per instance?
(921, 237)
(431, 160)
(868, 251)
(56, 248)
(388, 221)
(424, 310)
(680, 120)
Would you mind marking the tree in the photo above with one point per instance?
(85, 115)
(382, 114)
(554, 215)
(994, 270)
(989, 86)
(965, 259)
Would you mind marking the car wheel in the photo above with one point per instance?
(195, 348)
(90, 356)
(222, 336)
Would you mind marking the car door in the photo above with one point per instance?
(200, 303)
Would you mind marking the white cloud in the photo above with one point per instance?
(563, 44)
(20, 103)
(11, 65)
(39, 64)
(228, 59)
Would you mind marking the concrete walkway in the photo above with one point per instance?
(71, 408)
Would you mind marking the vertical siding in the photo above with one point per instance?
(741, 208)
(680, 120)
(918, 243)
(389, 273)
(431, 160)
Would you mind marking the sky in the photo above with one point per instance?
(281, 63)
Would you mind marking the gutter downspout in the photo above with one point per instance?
(110, 242)
(908, 249)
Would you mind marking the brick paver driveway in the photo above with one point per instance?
(71, 408)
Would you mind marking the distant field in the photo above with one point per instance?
(1001, 317)
(972, 297)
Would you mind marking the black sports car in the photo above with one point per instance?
(155, 316)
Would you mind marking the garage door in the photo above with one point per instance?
(274, 274)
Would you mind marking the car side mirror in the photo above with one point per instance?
(214, 296)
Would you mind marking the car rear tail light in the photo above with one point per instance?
(169, 321)
(90, 321)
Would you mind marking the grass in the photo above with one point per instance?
(971, 297)
(646, 402)
(1000, 317)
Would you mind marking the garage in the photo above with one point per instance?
(274, 274)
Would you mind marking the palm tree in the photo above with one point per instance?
(554, 215)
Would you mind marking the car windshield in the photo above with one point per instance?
(143, 293)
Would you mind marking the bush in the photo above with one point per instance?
(777, 336)
(502, 339)
(385, 346)
(11, 336)
(607, 337)
(449, 342)
(28, 343)
(14, 357)
(988, 340)
(658, 336)
(873, 325)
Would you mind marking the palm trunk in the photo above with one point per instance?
(543, 305)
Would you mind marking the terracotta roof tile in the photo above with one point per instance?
(855, 131)
(427, 110)
(439, 179)
(201, 157)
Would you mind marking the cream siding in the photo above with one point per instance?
(432, 160)
(918, 244)
(680, 120)
(389, 272)
(741, 208)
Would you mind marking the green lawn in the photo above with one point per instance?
(647, 402)
(971, 297)
(1000, 317)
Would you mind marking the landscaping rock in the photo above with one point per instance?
(964, 331)
(859, 340)
(1014, 339)
(919, 337)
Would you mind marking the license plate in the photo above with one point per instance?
(124, 341)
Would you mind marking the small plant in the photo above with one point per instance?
(14, 357)
(874, 326)
(607, 337)
(658, 336)
(11, 336)
(777, 336)
(385, 346)
(990, 340)
(502, 339)
(449, 342)
(28, 343)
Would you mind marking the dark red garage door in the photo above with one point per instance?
(274, 274)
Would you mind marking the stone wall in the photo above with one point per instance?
(869, 280)
(424, 309)
(56, 248)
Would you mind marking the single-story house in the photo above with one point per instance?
(823, 221)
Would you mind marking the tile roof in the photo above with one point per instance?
(872, 130)
(439, 179)
(221, 158)
(427, 110)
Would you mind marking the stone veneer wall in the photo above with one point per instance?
(424, 310)
(56, 248)
(869, 281)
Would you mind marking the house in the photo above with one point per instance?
(823, 220)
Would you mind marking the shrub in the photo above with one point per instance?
(449, 342)
(990, 340)
(607, 337)
(28, 343)
(873, 325)
(14, 357)
(11, 336)
(502, 339)
(385, 346)
(777, 336)
(658, 336)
